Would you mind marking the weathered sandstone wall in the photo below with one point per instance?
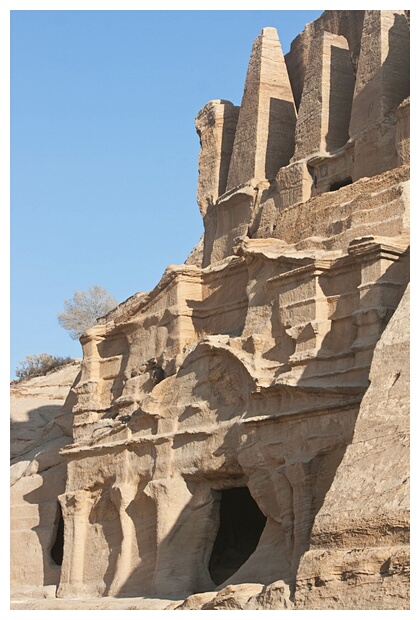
(222, 423)
(40, 425)
(359, 543)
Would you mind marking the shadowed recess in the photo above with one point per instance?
(342, 81)
(58, 546)
(281, 136)
(338, 184)
(240, 528)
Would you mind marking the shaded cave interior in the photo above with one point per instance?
(240, 528)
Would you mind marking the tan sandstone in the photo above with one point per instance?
(240, 432)
(40, 426)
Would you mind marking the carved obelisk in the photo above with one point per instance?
(265, 134)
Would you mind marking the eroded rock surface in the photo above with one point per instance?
(360, 538)
(41, 424)
(227, 449)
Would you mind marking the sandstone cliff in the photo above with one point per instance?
(359, 542)
(41, 424)
(239, 436)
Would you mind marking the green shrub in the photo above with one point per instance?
(37, 365)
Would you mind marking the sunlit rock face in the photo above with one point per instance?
(245, 422)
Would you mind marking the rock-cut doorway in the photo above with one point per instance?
(240, 529)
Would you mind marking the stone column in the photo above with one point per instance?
(186, 530)
(121, 496)
(76, 507)
(302, 481)
(284, 497)
(264, 139)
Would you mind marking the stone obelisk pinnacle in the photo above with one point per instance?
(264, 139)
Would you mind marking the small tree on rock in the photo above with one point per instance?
(84, 308)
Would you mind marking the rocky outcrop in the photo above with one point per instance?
(36, 411)
(360, 538)
(231, 428)
(41, 424)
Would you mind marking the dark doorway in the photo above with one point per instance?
(58, 545)
(335, 186)
(241, 525)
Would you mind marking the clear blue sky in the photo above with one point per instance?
(104, 151)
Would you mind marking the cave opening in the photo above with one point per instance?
(58, 546)
(240, 528)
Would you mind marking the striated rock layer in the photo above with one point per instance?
(359, 542)
(240, 434)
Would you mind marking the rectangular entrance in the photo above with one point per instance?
(240, 529)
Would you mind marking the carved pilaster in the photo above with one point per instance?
(76, 507)
(121, 496)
